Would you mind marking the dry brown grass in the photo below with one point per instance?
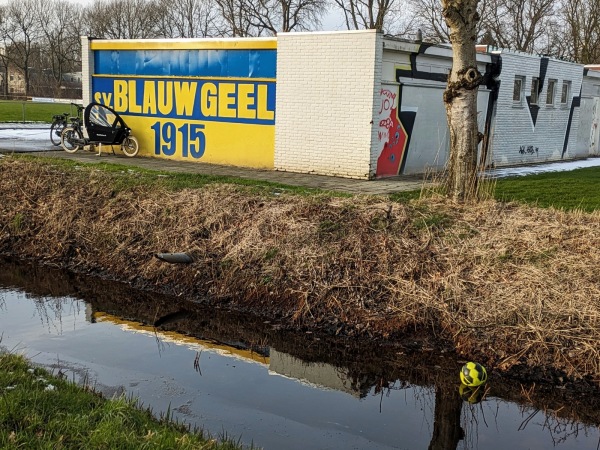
(505, 284)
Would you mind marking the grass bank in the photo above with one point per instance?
(40, 410)
(510, 285)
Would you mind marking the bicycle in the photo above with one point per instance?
(59, 122)
(103, 126)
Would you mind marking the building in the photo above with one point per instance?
(15, 81)
(589, 118)
(353, 104)
(537, 110)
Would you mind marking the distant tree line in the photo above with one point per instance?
(40, 38)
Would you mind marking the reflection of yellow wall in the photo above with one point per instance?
(182, 339)
(226, 143)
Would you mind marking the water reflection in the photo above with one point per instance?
(233, 372)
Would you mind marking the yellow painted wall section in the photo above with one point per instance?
(242, 145)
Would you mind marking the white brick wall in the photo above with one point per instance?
(87, 69)
(515, 139)
(327, 86)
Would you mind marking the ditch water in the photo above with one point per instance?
(232, 374)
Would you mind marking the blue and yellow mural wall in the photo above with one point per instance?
(195, 100)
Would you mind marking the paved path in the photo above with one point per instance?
(379, 186)
(35, 138)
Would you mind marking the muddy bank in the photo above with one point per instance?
(513, 287)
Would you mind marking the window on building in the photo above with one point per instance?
(565, 93)
(518, 89)
(535, 84)
(550, 92)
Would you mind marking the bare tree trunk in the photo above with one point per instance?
(460, 99)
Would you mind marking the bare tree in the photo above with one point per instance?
(582, 30)
(122, 19)
(236, 19)
(389, 16)
(520, 24)
(557, 41)
(21, 32)
(61, 29)
(460, 99)
(269, 17)
(187, 18)
(383, 15)
(285, 15)
(430, 20)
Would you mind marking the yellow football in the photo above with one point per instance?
(473, 374)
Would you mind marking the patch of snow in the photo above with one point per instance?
(559, 166)
(32, 132)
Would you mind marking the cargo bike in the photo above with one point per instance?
(100, 125)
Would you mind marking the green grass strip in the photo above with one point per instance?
(573, 190)
(21, 111)
(41, 411)
(569, 190)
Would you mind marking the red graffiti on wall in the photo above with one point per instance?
(392, 135)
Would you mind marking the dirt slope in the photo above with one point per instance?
(511, 286)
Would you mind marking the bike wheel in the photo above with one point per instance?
(130, 146)
(69, 138)
(55, 132)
